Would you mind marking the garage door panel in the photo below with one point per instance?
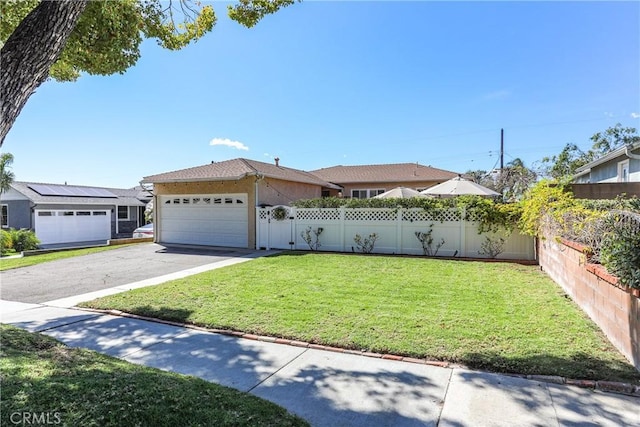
(200, 220)
(71, 226)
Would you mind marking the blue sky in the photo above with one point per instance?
(325, 83)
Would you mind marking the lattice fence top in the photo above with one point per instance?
(317, 214)
(370, 215)
(422, 215)
(472, 215)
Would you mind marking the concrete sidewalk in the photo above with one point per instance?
(328, 388)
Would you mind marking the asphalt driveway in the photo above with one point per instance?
(88, 273)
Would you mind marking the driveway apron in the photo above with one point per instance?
(88, 273)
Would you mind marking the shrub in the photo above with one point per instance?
(312, 241)
(620, 252)
(426, 240)
(365, 245)
(23, 240)
(492, 246)
(5, 242)
(544, 205)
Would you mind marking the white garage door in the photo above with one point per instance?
(72, 226)
(204, 219)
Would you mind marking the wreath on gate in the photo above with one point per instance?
(279, 213)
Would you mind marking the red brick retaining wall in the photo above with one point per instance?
(613, 307)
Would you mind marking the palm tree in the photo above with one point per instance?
(6, 176)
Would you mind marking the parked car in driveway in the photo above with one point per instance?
(144, 231)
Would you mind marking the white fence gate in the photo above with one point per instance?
(396, 230)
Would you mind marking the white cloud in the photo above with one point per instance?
(229, 143)
(608, 114)
(635, 115)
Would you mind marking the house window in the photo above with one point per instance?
(123, 213)
(623, 171)
(366, 194)
(83, 213)
(5, 216)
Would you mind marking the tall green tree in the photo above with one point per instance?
(514, 180)
(6, 175)
(482, 177)
(566, 163)
(64, 38)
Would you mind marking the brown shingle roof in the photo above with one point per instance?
(236, 169)
(398, 172)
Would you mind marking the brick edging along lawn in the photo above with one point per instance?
(606, 386)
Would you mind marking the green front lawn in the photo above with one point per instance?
(6, 264)
(495, 316)
(74, 387)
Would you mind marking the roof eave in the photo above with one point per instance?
(607, 157)
(146, 180)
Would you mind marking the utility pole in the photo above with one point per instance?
(501, 150)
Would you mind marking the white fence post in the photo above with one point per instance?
(399, 231)
(342, 224)
(463, 232)
(294, 228)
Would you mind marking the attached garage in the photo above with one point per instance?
(215, 204)
(203, 219)
(65, 226)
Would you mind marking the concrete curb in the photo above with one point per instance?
(604, 386)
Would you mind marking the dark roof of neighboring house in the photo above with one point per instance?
(398, 172)
(237, 169)
(124, 197)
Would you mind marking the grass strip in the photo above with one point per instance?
(9, 263)
(42, 377)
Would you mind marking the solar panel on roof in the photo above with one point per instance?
(70, 191)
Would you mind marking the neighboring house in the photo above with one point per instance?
(71, 213)
(215, 204)
(621, 165)
(362, 182)
(612, 175)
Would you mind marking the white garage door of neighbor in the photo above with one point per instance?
(204, 219)
(72, 226)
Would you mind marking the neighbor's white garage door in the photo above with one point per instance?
(72, 226)
(204, 219)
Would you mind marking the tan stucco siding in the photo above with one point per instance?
(278, 192)
(244, 185)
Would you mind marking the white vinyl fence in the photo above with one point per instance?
(396, 230)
